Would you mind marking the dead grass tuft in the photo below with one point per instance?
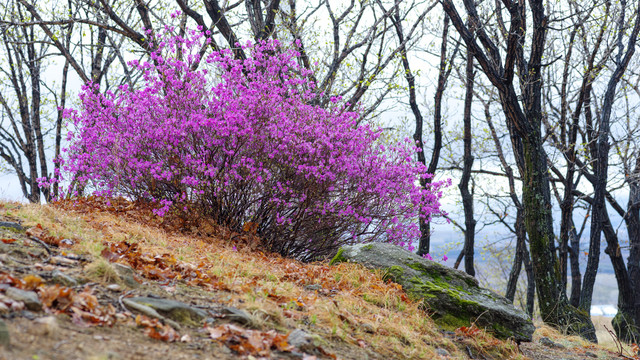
(101, 271)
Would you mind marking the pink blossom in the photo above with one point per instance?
(245, 141)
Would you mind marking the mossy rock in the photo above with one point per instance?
(174, 310)
(453, 297)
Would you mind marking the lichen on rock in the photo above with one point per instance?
(454, 298)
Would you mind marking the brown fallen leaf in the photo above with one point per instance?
(154, 329)
(43, 235)
(249, 342)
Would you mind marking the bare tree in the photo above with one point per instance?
(524, 115)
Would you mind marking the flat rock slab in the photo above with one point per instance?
(175, 310)
(11, 225)
(454, 297)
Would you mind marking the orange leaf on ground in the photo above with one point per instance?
(31, 282)
(154, 329)
(42, 234)
(249, 342)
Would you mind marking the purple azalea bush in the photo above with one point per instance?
(246, 142)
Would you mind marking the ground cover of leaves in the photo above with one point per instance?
(67, 255)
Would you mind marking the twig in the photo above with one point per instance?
(618, 343)
(122, 297)
(45, 246)
(469, 352)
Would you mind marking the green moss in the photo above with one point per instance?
(430, 289)
(501, 331)
(451, 322)
(12, 229)
(393, 273)
(368, 247)
(338, 258)
(417, 266)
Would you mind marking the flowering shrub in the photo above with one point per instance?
(245, 144)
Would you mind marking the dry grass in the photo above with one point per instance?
(354, 306)
(605, 339)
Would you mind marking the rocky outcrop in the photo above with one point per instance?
(454, 298)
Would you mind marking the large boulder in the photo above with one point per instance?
(454, 298)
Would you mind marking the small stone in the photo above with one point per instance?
(61, 278)
(590, 354)
(313, 287)
(5, 338)
(63, 261)
(127, 275)
(237, 315)
(11, 225)
(48, 325)
(29, 298)
(442, 352)
(28, 315)
(114, 287)
(66, 242)
(301, 340)
(548, 343)
(3, 308)
(368, 328)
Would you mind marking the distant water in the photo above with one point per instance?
(604, 310)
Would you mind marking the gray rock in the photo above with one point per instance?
(5, 338)
(548, 343)
(114, 287)
(146, 310)
(313, 287)
(11, 225)
(61, 278)
(442, 352)
(127, 275)
(236, 315)
(174, 310)
(29, 298)
(29, 315)
(454, 297)
(301, 340)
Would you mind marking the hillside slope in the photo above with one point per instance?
(247, 304)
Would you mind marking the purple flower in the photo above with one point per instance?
(244, 137)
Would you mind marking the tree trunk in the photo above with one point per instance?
(624, 323)
(443, 74)
(467, 196)
(554, 306)
(632, 220)
(521, 247)
(576, 278)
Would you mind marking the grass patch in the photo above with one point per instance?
(353, 305)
